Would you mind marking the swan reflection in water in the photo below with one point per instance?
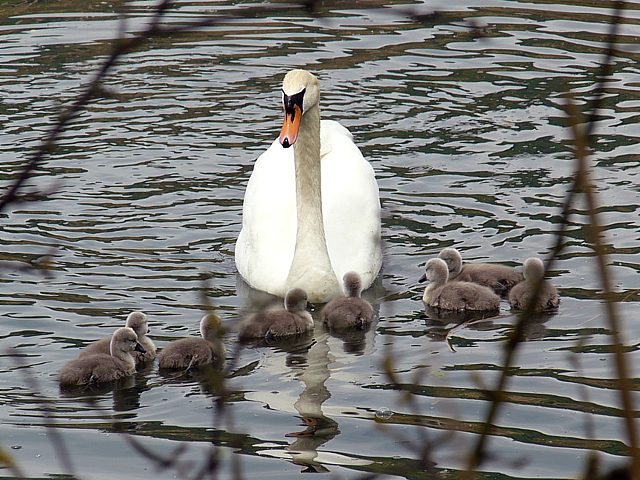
(309, 358)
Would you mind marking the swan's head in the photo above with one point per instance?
(352, 284)
(533, 269)
(124, 340)
(452, 258)
(138, 321)
(296, 300)
(436, 272)
(300, 93)
(211, 326)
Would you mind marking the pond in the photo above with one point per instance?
(461, 116)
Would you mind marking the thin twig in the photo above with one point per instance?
(579, 184)
(595, 234)
(94, 88)
(57, 439)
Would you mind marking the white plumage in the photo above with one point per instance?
(350, 210)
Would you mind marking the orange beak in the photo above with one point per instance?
(290, 127)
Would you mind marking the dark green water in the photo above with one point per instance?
(467, 139)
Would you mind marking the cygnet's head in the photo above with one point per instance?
(300, 93)
(124, 340)
(211, 326)
(139, 322)
(533, 269)
(296, 300)
(352, 284)
(436, 271)
(452, 258)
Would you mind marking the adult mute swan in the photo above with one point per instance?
(311, 213)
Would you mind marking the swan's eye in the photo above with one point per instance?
(290, 100)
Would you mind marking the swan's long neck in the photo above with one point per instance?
(123, 355)
(311, 267)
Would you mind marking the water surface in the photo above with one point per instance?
(467, 136)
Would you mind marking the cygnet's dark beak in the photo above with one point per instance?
(423, 278)
(139, 348)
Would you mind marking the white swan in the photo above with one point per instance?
(312, 214)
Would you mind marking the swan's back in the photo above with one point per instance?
(348, 312)
(498, 278)
(187, 353)
(95, 368)
(464, 296)
(520, 295)
(273, 324)
(99, 346)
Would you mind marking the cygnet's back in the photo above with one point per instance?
(522, 293)
(498, 278)
(191, 352)
(351, 311)
(139, 322)
(102, 367)
(272, 324)
(455, 295)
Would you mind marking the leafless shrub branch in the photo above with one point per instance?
(582, 137)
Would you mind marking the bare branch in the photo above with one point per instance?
(93, 89)
(582, 139)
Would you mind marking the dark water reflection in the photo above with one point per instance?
(467, 138)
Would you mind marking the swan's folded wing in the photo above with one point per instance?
(351, 205)
(265, 246)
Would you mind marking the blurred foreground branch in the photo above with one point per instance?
(123, 45)
(582, 127)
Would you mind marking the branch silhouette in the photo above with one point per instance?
(582, 138)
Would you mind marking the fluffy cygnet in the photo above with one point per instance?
(272, 324)
(351, 311)
(192, 352)
(138, 321)
(521, 294)
(455, 295)
(498, 278)
(102, 367)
